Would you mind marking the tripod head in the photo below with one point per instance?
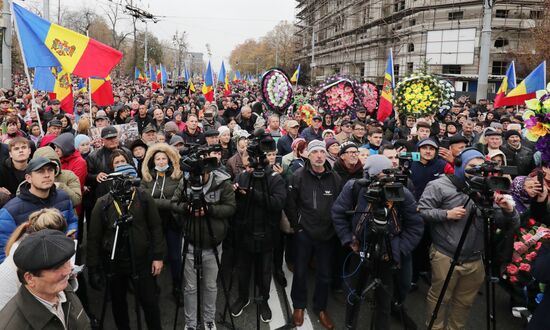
(122, 190)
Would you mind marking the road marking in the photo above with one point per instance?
(307, 321)
(278, 320)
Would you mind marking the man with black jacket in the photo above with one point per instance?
(259, 214)
(148, 248)
(405, 230)
(142, 118)
(312, 190)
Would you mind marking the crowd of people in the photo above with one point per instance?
(55, 176)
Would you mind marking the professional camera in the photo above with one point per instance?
(487, 177)
(122, 183)
(260, 144)
(197, 162)
(387, 188)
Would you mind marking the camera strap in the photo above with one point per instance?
(117, 207)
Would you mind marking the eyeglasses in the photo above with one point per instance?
(359, 129)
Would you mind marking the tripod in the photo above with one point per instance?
(193, 231)
(122, 225)
(375, 256)
(489, 225)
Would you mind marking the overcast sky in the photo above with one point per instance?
(221, 23)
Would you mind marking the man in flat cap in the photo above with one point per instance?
(38, 192)
(45, 300)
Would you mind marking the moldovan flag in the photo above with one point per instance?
(63, 89)
(385, 106)
(527, 89)
(102, 91)
(509, 82)
(208, 85)
(296, 75)
(45, 44)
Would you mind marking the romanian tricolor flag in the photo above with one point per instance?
(189, 80)
(102, 91)
(527, 89)
(159, 74)
(45, 44)
(63, 89)
(296, 75)
(237, 76)
(208, 85)
(385, 106)
(509, 82)
(139, 76)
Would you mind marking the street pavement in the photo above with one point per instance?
(282, 309)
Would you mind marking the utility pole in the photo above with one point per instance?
(484, 50)
(313, 55)
(7, 45)
(145, 53)
(58, 12)
(46, 10)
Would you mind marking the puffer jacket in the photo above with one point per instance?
(161, 186)
(405, 230)
(309, 201)
(221, 205)
(18, 209)
(71, 159)
(67, 180)
(441, 195)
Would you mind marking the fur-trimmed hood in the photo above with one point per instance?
(149, 164)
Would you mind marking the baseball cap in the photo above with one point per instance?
(109, 132)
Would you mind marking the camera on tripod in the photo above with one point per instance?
(387, 188)
(488, 177)
(122, 183)
(260, 144)
(197, 163)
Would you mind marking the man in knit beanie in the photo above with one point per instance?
(447, 209)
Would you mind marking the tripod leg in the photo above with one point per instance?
(353, 303)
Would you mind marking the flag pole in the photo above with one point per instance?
(33, 100)
(89, 88)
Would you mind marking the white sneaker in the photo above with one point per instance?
(210, 325)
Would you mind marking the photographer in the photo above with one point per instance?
(148, 247)
(220, 206)
(443, 206)
(259, 213)
(404, 231)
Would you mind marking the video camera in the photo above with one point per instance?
(260, 144)
(487, 177)
(197, 162)
(387, 188)
(122, 183)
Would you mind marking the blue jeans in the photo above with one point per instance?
(304, 248)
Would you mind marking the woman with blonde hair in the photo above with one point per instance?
(48, 218)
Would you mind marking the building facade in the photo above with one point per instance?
(353, 37)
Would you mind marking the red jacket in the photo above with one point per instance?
(74, 162)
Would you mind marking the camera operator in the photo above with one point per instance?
(443, 206)
(149, 249)
(312, 190)
(262, 213)
(220, 206)
(405, 231)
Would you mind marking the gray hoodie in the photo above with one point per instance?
(441, 195)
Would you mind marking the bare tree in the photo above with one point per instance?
(113, 16)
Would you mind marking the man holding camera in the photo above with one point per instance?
(444, 206)
(312, 190)
(139, 258)
(404, 229)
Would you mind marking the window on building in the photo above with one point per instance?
(399, 5)
(501, 42)
(502, 13)
(499, 68)
(412, 22)
(410, 66)
(410, 48)
(396, 70)
(451, 69)
(535, 14)
(456, 15)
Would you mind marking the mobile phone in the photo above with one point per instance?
(279, 160)
(540, 177)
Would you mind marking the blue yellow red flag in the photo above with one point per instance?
(385, 107)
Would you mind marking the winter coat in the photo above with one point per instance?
(66, 179)
(405, 229)
(24, 311)
(195, 138)
(284, 145)
(251, 124)
(540, 269)
(421, 173)
(522, 158)
(161, 186)
(348, 173)
(221, 205)
(142, 122)
(309, 201)
(441, 195)
(147, 235)
(11, 177)
(99, 161)
(259, 211)
(309, 134)
(235, 165)
(18, 209)
(70, 158)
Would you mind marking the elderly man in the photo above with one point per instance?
(314, 131)
(345, 133)
(517, 154)
(284, 144)
(45, 300)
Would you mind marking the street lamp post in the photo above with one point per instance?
(485, 48)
